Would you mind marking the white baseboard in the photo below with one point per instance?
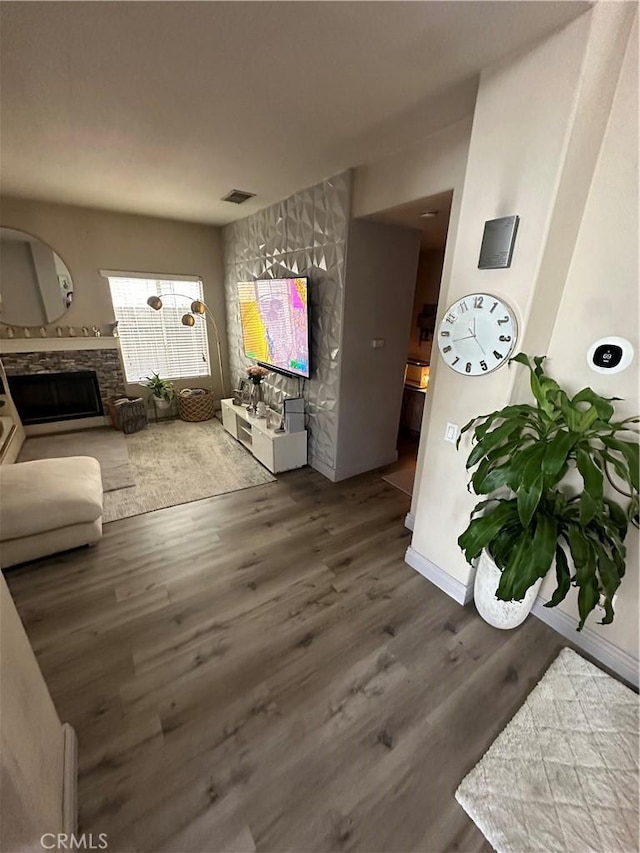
(70, 781)
(595, 645)
(409, 521)
(460, 592)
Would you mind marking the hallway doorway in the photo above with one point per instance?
(430, 216)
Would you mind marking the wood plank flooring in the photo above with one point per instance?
(262, 671)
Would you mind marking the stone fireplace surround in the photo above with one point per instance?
(105, 360)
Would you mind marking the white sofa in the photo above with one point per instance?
(47, 506)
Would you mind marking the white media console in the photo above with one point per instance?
(278, 451)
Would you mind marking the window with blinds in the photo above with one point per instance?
(156, 341)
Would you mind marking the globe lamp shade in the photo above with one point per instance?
(198, 307)
(188, 320)
(154, 302)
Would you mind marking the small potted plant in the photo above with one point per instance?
(162, 390)
(547, 472)
(256, 374)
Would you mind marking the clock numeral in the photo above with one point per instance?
(505, 338)
(503, 321)
(494, 308)
(477, 301)
(446, 349)
(463, 307)
(468, 367)
(445, 334)
(453, 363)
(450, 318)
(497, 354)
(483, 365)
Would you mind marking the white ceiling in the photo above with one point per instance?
(162, 108)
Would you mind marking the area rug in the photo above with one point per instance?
(563, 775)
(108, 446)
(178, 462)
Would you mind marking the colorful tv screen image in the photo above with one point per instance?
(275, 324)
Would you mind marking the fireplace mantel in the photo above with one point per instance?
(11, 345)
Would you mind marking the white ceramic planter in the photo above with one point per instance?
(161, 403)
(500, 614)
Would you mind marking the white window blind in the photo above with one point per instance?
(156, 341)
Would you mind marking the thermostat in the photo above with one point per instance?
(610, 355)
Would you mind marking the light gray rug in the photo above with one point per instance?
(563, 775)
(108, 446)
(178, 462)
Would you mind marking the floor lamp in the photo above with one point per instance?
(198, 309)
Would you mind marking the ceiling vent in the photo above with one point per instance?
(238, 196)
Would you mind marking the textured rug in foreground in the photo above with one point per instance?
(563, 775)
(178, 462)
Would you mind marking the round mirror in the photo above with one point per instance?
(35, 284)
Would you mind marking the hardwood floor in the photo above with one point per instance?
(262, 671)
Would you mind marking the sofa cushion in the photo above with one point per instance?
(48, 494)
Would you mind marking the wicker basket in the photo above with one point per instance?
(128, 414)
(197, 407)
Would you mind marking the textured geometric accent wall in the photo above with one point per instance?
(305, 234)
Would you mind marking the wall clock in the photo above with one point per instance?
(477, 334)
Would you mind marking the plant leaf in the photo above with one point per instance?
(602, 405)
(517, 573)
(530, 489)
(592, 497)
(557, 451)
(482, 530)
(563, 578)
(630, 451)
(490, 441)
(588, 597)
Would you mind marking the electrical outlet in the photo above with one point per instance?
(377, 343)
(451, 433)
(600, 605)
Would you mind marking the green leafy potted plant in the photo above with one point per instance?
(543, 469)
(161, 390)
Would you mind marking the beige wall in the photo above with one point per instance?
(601, 298)
(427, 167)
(427, 290)
(382, 261)
(513, 167)
(31, 740)
(423, 169)
(538, 127)
(90, 240)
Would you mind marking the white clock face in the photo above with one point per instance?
(478, 334)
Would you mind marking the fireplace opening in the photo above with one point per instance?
(43, 397)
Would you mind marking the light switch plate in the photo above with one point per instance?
(451, 433)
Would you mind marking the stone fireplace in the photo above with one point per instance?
(50, 397)
(101, 357)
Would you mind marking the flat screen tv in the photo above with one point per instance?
(275, 323)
